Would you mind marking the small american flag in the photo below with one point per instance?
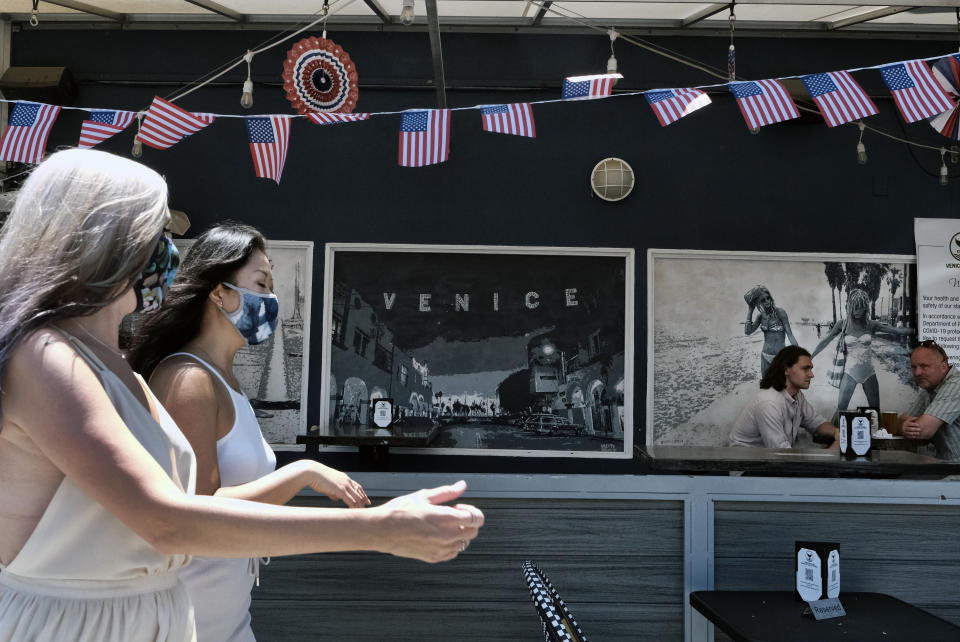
(102, 125)
(917, 93)
(763, 102)
(26, 135)
(269, 139)
(165, 124)
(515, 118)
(424, 137)
(839, 97)
(670, 105)
(327, 118)
(581, 87)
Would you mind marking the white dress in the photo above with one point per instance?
(220, 588)
(84, 576)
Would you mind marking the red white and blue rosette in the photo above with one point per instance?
(947, 72)
(319, 76)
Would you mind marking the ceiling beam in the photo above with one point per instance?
(703, 14)
(433, 25)
(218, 9)
(85, 8)
(544, 6)
(866, 17)
(377, 9)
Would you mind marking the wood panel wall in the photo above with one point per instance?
(617, 564)
(910, 552)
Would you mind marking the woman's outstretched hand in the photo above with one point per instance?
(420, 526)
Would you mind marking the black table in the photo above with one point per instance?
(775, 616)
(373, 443)
(818, 462)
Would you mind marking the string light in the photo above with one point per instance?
(861, 149)
(407, 13)
(137, 150)
(944, 173)
(612, 60)
(246, 99)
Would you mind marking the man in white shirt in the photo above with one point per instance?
(774, 417)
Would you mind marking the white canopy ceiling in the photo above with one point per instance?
(920, 17)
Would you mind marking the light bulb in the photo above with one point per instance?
(954, 154)
(612, 64)
(861, 153)
(407, 13)
(137, 150)
(246, 99)
(944, 174)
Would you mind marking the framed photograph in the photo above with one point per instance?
(521, 351)
(716, 319)
(273, 374)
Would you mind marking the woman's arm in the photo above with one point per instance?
(834, 331)
(889, 329)
(786, 326)
(75, 426)
(282, 485)
(188, 391)
(750, 327)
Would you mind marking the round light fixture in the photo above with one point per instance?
(612, 179)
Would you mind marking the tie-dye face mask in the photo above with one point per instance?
(157, 277)
(256, 316)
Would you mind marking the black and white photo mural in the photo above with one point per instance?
(488, 350)
(716, 319)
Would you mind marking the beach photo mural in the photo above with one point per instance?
(706, 356)
(484, 350)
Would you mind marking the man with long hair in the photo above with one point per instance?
(774, 417)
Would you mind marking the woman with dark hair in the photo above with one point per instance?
(773, 418)
(221, 300)
(855, 333)
(772, 320)
(97, 500)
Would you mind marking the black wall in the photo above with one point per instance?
(702, 183)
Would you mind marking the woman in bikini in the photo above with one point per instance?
(772, 320)
(857, 330)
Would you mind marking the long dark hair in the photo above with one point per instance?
(776, 376)
(215, 257)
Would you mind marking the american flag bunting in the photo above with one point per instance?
(25, 138)
(916, 92)
(515, 118)
(165, 124)
(269, 140)
(583, 87)
(103, 124)
(670, 105)
(424, 137)
(839, 97)
(328, 118)
(763, 102)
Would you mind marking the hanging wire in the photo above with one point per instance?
(325, 14)
(732, 51)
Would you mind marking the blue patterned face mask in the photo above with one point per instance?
(157, 277)
(256, 317)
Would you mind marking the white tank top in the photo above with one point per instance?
(243, 455)
(220, 588)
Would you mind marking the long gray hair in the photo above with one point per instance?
(84, 225)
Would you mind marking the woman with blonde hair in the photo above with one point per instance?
(96, 480)
(855, 332)
(222, 300)
(772, 320)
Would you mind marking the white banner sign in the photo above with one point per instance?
(938, 282)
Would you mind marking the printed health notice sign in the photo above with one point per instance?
(938, 282)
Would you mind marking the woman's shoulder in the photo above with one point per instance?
(41, 350)
(184, 376)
